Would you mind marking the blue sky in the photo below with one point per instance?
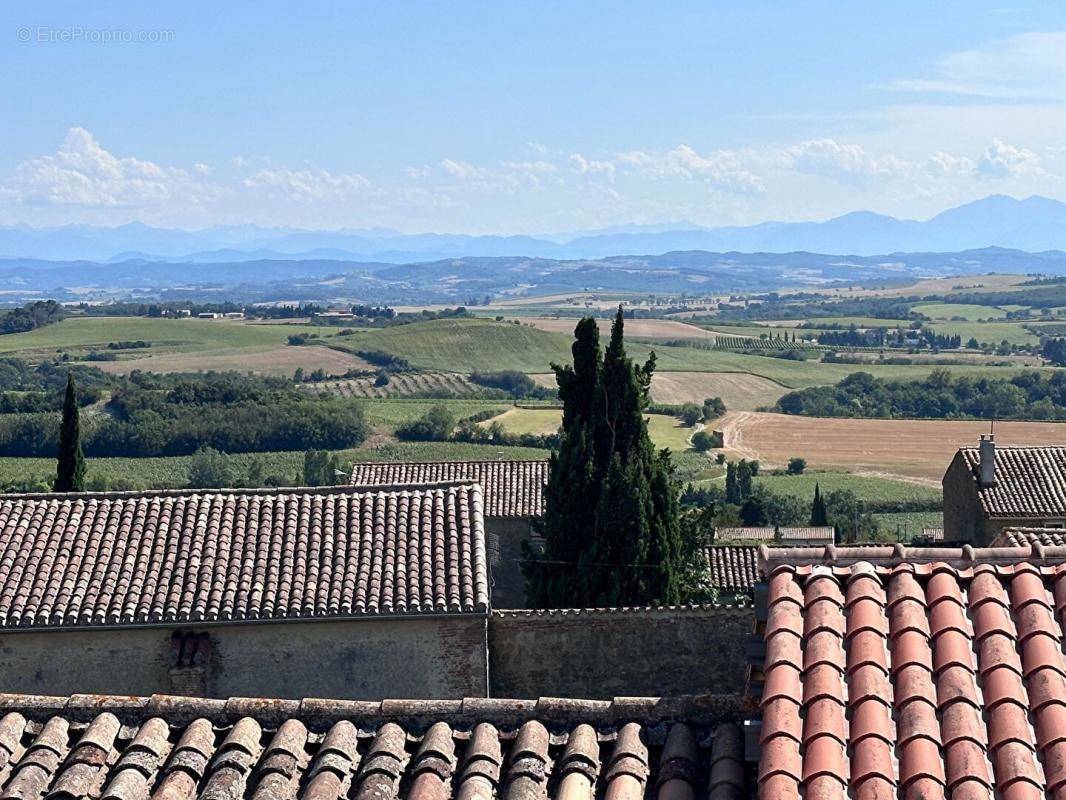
(524, 117)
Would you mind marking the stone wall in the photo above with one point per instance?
(506, 535)
(963, 519)
(599, 654)
(353, 659)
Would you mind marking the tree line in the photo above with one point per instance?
(941, 395)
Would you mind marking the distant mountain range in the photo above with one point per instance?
(469, 279)
(1034, 224)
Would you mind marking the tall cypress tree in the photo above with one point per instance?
(70, 469)
(611, 530)
(819, 517)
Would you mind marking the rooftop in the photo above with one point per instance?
(1020, 537)
(126, 558)
(889, 673)
(1030, 481)
(733, 567)
(512, 488)
(129, 748)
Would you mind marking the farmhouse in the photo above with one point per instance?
(336, 592)
(988, 489)
(513, 497)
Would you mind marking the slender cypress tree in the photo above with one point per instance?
(611, 530)
(732, 493)
(70, 469)
(819, 517)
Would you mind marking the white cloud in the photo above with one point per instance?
(307, 185)
(591, 166)
(1001, 160)
(82, 173)
(1026, 66)
(724, 170)
(841, 161)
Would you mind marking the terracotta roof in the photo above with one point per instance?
(1030, 481)
(914, 678)
(733, 568)
(1018, 537)
(512, 488)
(123, 748)
(209, 556)
(744, 534)
(821, 533)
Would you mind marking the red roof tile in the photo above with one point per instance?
(207, 556)
(129, 748)
(512, 488)
(920, 678)
(1019, 537)
(1030, 481)
(733, 568)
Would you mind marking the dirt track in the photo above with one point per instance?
(916, 450)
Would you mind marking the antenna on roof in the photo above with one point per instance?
(992, 426)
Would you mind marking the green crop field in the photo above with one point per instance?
(991, 332)
(464, 345)
(165, 335)
(665, 431)
(172, 472)
(471, 345)
(947, 311)
(905, 525)
(387, 415)
(870, 488)
(862, 322)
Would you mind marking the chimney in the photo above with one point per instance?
(987, 467)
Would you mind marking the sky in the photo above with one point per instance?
(506, 117)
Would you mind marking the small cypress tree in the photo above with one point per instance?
(611, 529)
(819, 518)
(732, 494)
(745, 471)
(70, 467)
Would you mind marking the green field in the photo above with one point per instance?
(947, 311)
(991, 332)
(171, 472)
(905, 525)
(165, 335)
(869, 488)
(861, 322)
(665, 431)
(387, 415)
(484, 345)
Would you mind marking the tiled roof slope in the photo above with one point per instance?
(1030, 481)
(911, 679)
(745, 534)
(733, 567)
(187, 749)
(125, 558)
(820, 533)
(1019, 537)
(512, 488)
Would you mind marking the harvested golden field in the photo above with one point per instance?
(635, 328)
(276, 360)
(917, 450)
(739, 390)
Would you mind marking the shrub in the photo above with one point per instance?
(436, 425)
(209, 469)
(703, 441)
(796, 466)
(691, 413)
(713, 407)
